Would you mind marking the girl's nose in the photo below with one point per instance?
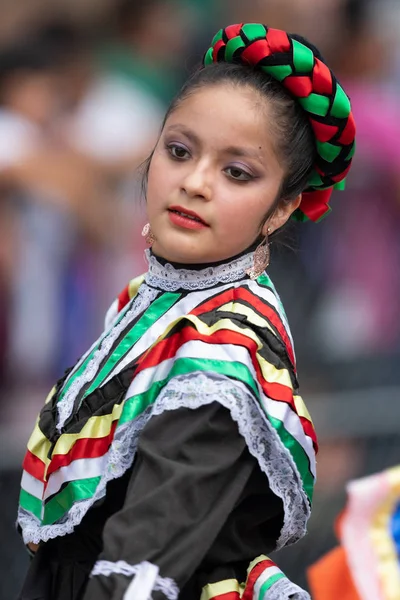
(197, 182)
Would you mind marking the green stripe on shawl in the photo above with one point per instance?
(157, 309)
(135, 405)
(61, 502)
(30, 503)
(268, 584)
(83, 366)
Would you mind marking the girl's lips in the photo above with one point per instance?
(185, 221)
(183, 217)
(187, 211)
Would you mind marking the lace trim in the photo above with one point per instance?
(168, 278)
(262, 440)
(284, 589)
(192, 392)
(119, 460)
(65, 407)
(166, 585)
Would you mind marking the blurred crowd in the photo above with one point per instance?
(83, 89)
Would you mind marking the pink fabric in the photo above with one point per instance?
(361, 241)
(377, 115)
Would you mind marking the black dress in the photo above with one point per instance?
(177, 451)
(195, 503)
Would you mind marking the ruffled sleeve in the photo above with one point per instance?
(191, 469)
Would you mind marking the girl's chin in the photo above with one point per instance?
(182, 254)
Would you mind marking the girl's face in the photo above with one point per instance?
(213, 176)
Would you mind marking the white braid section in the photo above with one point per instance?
(144, 574)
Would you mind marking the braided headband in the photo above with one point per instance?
(317, 90)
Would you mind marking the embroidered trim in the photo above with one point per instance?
(262, 440)
(284, 589)
(193, 391)
(145, 296)
(166, 585)
(168, 278)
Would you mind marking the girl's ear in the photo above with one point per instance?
(281, 214)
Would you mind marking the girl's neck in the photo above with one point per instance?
(200, 266)
(167, 276)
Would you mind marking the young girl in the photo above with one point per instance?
(178, 449)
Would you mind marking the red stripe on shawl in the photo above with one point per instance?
(167, 349)
(123, 298)
(253, 576)
(83, 448)
(310, 431)
(34, 466)
(263, 308)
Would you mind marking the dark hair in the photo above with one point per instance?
(295, 144)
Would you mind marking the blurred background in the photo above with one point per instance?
(83, 88)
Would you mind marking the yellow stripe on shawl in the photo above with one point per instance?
(39, 445)
(270, 373)
(273, 375)
(205, 329)
(227, 586)
(134, 285)
(253, 317)
(301, 408)
(213, 590)
(255, 562)
(50, 394)
(95, 427)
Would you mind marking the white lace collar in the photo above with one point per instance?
(169, 278)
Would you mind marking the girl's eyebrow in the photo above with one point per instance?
(232, 150)
(239, 151)
(186, 132)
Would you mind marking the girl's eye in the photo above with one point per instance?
(178, 152)
(238, 174)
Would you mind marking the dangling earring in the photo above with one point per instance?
(260, 258)
(148, 235)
